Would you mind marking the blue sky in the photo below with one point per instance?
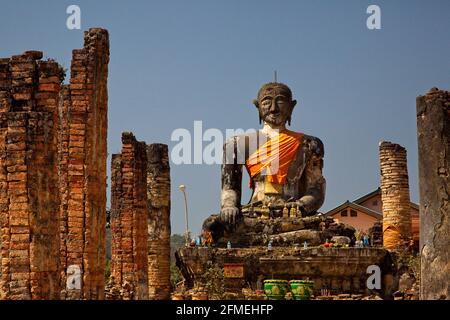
(174, 62)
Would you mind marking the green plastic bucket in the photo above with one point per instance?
(276, 289)
(302, 289)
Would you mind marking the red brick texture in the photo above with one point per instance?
(82, 167)
(158, 194)
(397, 227)
(29, 197)
(129, 266)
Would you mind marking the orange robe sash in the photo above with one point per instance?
(274, 157)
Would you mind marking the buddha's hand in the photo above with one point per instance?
(229, 215)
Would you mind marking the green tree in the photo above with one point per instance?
(175, 275)
(214, 280)
(176, 241)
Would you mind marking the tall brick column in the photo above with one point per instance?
(63, 174)
(397, 231)
(83, 152)
(29, 197)
(158, 194)
(433, 133)
(129, 265)
(116, 219)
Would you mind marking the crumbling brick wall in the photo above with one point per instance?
(63, 175)
(158, 193)
(397, 228)
(53, 173)
(82, 154)
(29, 197)
(129, 266)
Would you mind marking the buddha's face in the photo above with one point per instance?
(275, 105)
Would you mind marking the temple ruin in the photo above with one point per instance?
(397, 228)
(280, 236)
(53, 216)
(83, 152)
(433, 134)
(158, 195)
(129, 219)
(29, 199)
(53, 177)
(53, 171)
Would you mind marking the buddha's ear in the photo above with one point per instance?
(294, 102)
(256, 103)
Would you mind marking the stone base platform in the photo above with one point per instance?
(281, 231)
(337, 270)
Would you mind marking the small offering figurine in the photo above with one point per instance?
(293, 212)
(359, 244)
(285, 212)
(366, 240)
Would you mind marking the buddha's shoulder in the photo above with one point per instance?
(309, 142)
(313, 144)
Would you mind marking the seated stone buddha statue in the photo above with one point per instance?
(285, 167)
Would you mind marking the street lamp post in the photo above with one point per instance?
(187, 235)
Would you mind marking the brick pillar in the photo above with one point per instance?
(29, 197)
(433, 132)
(116, 220)
(395, 196)
(83, 114)
(63, 174)
(129, 266)
(158, 194)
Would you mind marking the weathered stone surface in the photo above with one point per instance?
(82, 156)
(158, 195)
(406, 282)
(29, 197)
(433, 133)
(397, 228)
(253, 231)
(312, 237)
(376, 234)
(339, 270)
(129, 266)
(342, 240)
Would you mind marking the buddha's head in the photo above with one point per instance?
(275, 103)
